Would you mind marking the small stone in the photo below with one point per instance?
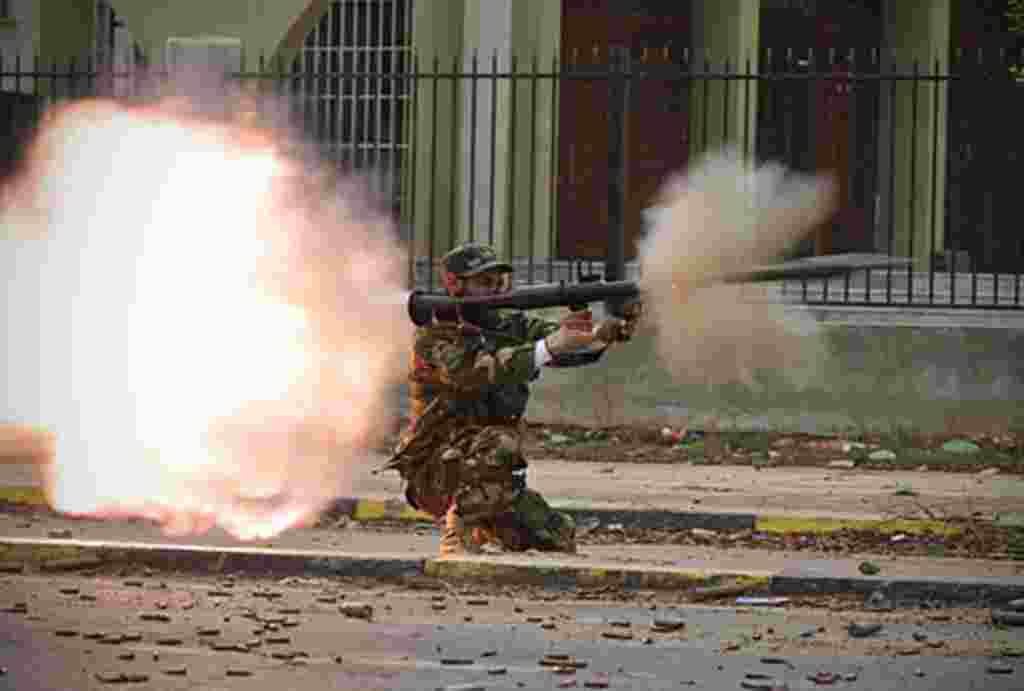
(960, 446)
(154, 616)
(176, 671)
(59, 534)
(131, 637)
(283, 656)
(1006, 618)
(548, 626)
(456, 661)
(327, 600)
(477, 602)
(662, 624)
(134, 583)
(846, 465)
(438, 606)
(85, 597)
(1015, 605)
(918, 672)
(620, 623)
(277, 640)
(863, 630)
(126, 656)
(237, 672)
(229, 648)
(267, 594)
(868, 568)
(219, 593)
(517, 609)
(988, 472)
(66, 633)
(169, 641)
(566, 684)
(999, 668)
(617, 635)
(776, 661)
(497, 671)
(919, 636)
(68, 591)
(94, 635)
(597, 683)
(357, 610)
(534, 620)
(112, 639)
(208, 632)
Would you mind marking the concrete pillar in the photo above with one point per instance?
(481, 171)
(915, 30)
(536, 39)
(724, 112)
(434, 127)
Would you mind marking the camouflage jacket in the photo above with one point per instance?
(479, 373)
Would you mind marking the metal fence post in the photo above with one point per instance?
(619, 92)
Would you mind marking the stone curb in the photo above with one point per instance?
(369, 510)
(49, 556)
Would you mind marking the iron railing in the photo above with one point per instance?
(555, 162)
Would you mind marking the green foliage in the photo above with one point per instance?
(1015, 16)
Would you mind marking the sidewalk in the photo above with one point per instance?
(358, 551)
(685, 496)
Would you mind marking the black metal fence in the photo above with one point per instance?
(556, 163)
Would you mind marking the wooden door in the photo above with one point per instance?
(656, 121)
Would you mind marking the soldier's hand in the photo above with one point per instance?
(575, 332)
(620, 330)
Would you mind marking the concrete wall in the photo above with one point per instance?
(266, 27)
(886, 372)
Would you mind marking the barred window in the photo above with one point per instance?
(354, 99)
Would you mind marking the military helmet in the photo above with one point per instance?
(471, 258)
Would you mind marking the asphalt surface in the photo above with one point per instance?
(75, 632)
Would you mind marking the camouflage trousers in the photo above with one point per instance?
(480, 469)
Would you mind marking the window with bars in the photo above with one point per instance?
(355, 86)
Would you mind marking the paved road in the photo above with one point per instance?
(294, 636)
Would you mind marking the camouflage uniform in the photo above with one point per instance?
(463, 446)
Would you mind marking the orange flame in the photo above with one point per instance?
(206, 321)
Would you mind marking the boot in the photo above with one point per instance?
(453, 540)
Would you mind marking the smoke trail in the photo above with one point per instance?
(725, 217)
(198, 311)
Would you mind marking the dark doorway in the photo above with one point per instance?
(655, 32)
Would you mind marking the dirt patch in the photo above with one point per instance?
(770, 449)
(976, 540)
